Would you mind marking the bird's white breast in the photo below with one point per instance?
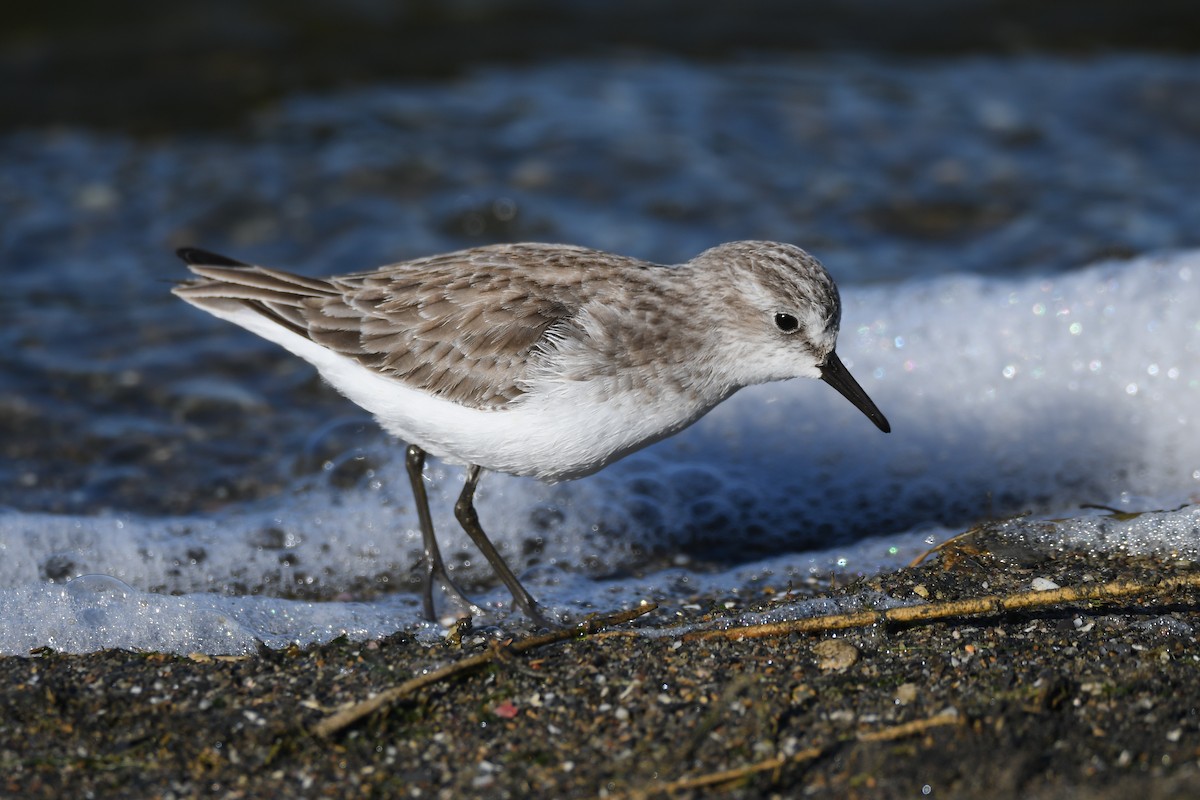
(557, 430)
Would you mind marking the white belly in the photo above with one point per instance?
(556, 432)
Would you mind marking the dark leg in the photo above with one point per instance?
(435, 568)
(464, 509)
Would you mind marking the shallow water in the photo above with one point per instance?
(958, 202)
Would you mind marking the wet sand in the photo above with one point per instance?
(1080, 700)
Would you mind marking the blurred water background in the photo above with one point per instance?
(959, 167)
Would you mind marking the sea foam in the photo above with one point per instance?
(1037, 394)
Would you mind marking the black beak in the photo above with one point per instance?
(836, 375)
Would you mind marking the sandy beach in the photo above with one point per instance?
(1093, 699)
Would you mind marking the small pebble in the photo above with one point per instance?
(835, 654)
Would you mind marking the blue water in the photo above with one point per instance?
(952, 199)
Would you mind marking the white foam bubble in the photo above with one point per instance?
(1039, 393)
(93, 612)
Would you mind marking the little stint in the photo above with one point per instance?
(538, 359)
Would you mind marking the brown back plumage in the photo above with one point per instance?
(465, 325)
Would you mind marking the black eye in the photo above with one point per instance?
(786, 322)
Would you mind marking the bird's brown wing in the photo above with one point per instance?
(463, 326)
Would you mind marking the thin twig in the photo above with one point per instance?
(940, 546)
(808, 754)
(735, 774)
(989, 604)
(353, 712)
(909, 728)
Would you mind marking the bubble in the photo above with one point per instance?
(89, 588)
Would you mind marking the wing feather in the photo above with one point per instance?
(465, 326)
